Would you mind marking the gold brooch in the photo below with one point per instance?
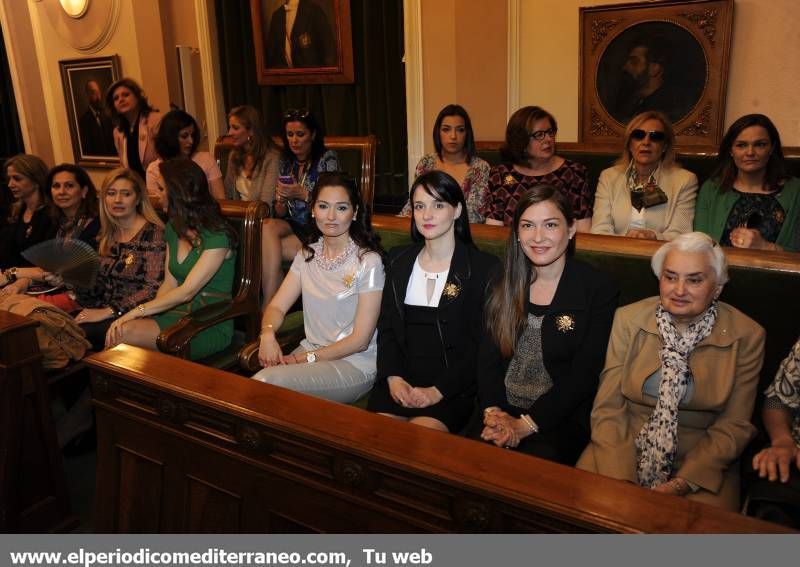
(565, 323)
(509, 179)
(451, 290)
(349, 280)
(129, 259)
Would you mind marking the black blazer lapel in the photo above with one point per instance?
(457, 278)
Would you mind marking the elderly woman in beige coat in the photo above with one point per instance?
(646, 194)
(673, 409)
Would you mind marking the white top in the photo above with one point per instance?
(637, 218)
(330, 299)
(417, 290)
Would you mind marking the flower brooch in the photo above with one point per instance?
(565, 323)
(451, 291)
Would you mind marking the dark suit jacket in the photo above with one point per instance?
(96, 139)
(459, 316)
(575, 335)
(312, 39)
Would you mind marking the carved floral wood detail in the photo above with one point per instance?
(706, 20)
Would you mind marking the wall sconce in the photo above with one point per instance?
(74, 8)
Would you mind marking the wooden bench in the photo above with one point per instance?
(185, 448)
(33, 493)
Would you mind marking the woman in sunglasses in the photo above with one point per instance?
(749, 201)
(646, 194)
(529, 159)
(303, 158)
(253, 163)
(456, 155)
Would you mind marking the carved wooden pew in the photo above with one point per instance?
(185, 448)
(33, 494)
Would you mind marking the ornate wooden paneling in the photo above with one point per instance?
(237, 455)
(33, 496)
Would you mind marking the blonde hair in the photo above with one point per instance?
(668, 157)
(109, 227)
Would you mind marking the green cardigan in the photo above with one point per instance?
(713, 208)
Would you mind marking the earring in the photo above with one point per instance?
(312, 215)
(355, 216)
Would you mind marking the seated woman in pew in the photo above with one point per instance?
(530, 159)
(253, 162)
(30, 222)
(646, 194)
(339, 275)
(456, 155)
(131, 250)
(431, 320)
(136, 124)
(73, 210)
(548, 318)
(198, 268)
(303, 159)
(781, 416)
(749, 201)
(179, 135)
(673, 409)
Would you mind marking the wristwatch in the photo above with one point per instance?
(311, 356)
(11, 275)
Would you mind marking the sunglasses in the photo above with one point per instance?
(296, 114)
(655, 135)
(539, 135)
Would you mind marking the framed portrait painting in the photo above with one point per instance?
(85, 82)
(666, 56)
(302, 41)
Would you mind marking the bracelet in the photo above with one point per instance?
(489, 411)
(140, 309)
(530, 423)
(267, 327)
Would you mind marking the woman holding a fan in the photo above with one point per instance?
(73, 211)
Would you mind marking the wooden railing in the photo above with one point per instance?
(185, 448)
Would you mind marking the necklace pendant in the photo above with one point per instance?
(129, 260)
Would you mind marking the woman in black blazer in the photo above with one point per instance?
(548, 319)
(431, 320)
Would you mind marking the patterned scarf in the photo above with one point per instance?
(657, 442)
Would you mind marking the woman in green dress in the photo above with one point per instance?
(200, 262)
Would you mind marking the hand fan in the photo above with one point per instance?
(74, 260)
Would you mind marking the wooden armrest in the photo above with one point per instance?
(175, 340)
(288, 341)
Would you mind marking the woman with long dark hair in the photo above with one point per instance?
(73, 211)
(179, 135)
(136, 124)
(339, 275)
(548, 318)
(303, 159)
(253, 162)
(456, 154)
(749, 201)
(199, 265)
(431, 319)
